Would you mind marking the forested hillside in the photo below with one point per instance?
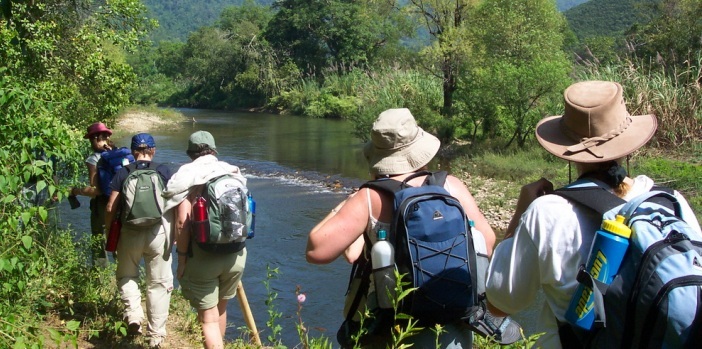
(564, 5)
(607, 17)
(177, 18)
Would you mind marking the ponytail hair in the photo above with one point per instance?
(612, 174)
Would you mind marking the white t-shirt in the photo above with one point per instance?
(93, 158)
(545, 252)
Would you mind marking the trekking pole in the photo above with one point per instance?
(246, 310)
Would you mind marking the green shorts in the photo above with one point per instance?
(209, 278)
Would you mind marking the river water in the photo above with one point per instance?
(290, 163)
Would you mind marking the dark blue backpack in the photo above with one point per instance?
(433, 247)
(655, 301)
(110, 162)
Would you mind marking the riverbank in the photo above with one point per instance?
(491, 195)
(145, 119)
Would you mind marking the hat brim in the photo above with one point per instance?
(108, 131)
(405, 160)
(553, 139)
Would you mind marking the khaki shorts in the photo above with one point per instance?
(209, 278)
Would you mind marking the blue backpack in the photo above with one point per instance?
(110, 162)
(655, 301)
(433, 247)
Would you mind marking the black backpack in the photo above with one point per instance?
(433, 248)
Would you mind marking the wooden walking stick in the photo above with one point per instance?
(246, 310)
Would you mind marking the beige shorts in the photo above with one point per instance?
(209, 277)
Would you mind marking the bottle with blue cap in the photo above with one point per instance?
(383, 261)
(606, 254)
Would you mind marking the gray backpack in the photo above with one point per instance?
(141, 191)
(228, 213)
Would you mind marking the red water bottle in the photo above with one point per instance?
(113, 235)
(201, 224)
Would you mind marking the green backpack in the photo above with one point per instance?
(143, 202)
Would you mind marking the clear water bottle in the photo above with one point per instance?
(232, 215)
(200, 221)
(251, 215)
(608, 249)
(383, 261)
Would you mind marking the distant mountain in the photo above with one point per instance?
(564, 5)
(177, 18)
(607, 17)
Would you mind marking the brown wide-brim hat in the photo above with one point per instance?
(596, 127)
(398, 145)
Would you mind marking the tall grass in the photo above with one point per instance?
(360, 95)
(672, 94)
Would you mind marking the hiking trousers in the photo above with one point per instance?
(147, 243)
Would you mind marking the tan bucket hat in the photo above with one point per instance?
(596, 127)
(398, 145)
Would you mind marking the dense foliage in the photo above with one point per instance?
(607, 18)
(177, 19)
(61, 67)
(473, 72)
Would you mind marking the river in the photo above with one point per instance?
(290, 163)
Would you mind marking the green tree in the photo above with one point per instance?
(231, 64)
(447, 24)
(76, 45)
(339, 34)
(518, 65)
(61, 67)
(672, 37)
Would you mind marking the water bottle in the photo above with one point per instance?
(201, 224)
(383, 261)
(113, 235)
(608, 249)
(251, 215)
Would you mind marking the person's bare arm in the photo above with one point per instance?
(527, 195)
(93, 189)
(337, 231)
(182, 233)
(112, 208)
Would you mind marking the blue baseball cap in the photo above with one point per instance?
(143, 140)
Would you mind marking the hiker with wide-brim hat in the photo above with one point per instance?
(549, 237)
(398, 148)
(99, 136)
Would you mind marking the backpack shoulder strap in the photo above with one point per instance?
(362, 267)
(131, 167)
(392, 186)
(384, 184)
(595, 198)
(437, 178)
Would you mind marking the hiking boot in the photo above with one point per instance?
(156, 342)
(502, 330)
(134, 328)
